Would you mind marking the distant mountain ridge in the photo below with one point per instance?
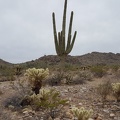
(93, 58)
(87, 59)
(100, 58)
(3, 62)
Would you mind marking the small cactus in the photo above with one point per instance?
(35, 77)
(48, 98)
(81, 113)
(116, 90)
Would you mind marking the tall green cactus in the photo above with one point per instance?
(62, 49)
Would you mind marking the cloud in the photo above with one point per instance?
(26, 27)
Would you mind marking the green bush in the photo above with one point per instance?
(98, 71)
(115, 68)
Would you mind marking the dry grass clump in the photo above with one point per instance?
(82, 77)
(104, 90)
(4, 115)
(55, 79)
(98, 71)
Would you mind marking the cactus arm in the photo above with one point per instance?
(60, 42)
(55, 34)
(69, 32)
(64, 26)
(71, 45)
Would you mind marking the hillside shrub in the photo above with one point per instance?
(104, 90)
(82, 77)
(98, 71)
(115, 68)
(4, 115)
(55, 79)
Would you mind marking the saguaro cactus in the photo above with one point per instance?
(63, 49)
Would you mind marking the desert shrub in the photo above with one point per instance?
(14, 100)
(7, 78)
(22, 87)
(10, 77)
(115, 68)
(17, 70)
(48, 99)
(82, 77)
(85, 75)
(81, 113)
(55, 79)
(35, 77)
(70, 67)
(69, 79)
(4, 115)
(21, 90)
(98, 71)
(104, 90)
(116, 90)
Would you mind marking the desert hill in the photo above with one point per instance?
(94, 58)
(4, 63)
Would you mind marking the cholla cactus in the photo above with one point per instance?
(48, 98)
(35, 77)
(81, 113)
(116, 90)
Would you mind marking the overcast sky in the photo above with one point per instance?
(26, 31)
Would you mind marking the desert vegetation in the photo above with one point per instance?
(61, 87)
(83, 93)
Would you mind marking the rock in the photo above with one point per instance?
(106, 110)
(116, 118)
(68, 102)
(69, 115)
(98, 117)
(90, 119)
(27, 109)
(57, 119)
(80, 104)
(66, 91)
(84, 89)
(112, 115)
(25, 112)
(63, 81)
(70, 98)
(49, 118)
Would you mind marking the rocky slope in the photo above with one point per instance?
(93, 58)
